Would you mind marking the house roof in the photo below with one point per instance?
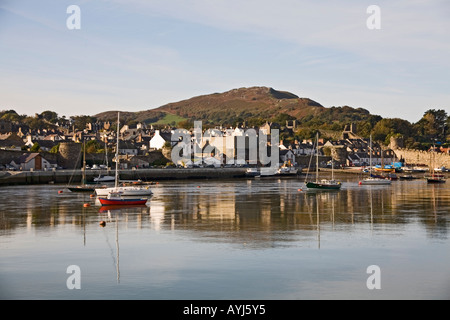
(26, 157)
(126, 145)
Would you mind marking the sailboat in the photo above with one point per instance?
(434, 177)
(118, 199)
(323, 184)
(122, 190)
(373, 180)
(105, 178)
(83, 187)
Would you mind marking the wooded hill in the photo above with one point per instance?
(256, 105)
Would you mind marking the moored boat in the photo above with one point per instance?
(124, 190)
(252, 172)
(81, 189)
(374, 180)
(84, 187)
(323, 184)
(407, 177)
(117, 198)
(287, 171)
(435, 178)
(103, 179)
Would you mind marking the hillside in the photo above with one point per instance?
(228, 107)
(255, 106)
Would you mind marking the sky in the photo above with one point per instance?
(135, 55)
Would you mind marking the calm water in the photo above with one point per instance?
(240, 239)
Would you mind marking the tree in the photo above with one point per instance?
(81, 122)
(92, 146)
(35, 148)
(55, 149)
(185, 124)
(50, 116)
(386, 128)
(433, 125)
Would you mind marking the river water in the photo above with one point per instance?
(233, 239)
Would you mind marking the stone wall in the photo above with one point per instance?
(416, 157)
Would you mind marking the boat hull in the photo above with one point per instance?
(105, 179)
(122, 202)
(81, 189)
(323, 186)
(435, 180)
(375, 182)
(125, 191)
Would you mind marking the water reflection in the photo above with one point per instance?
(258, 211)
(239, 239)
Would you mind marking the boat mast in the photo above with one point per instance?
(370, 162)
(83, 170)
(317, 157)
(332, 168)
(106, 151)
(117, 153)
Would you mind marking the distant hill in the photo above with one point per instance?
(226, 108)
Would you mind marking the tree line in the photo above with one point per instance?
(433, 127)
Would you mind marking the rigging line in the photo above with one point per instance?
(310, 160)
(110, 248)
(73, 172)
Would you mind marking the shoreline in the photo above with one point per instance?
(153, 174)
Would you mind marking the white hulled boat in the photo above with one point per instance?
(123, 190)
(373, 180)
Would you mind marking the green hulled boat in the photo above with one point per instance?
(83, 187)
(323, 184)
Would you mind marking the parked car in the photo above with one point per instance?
(10, 167)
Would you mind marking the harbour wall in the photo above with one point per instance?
(154, 174)
(417, 157)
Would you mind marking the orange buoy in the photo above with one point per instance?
(102, 223)
(86, 205)
(92, 195)
(360, 183)
(299, 190)
(60, 191)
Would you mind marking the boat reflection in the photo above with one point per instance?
(120, 207)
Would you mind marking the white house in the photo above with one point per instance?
(287, 156)
(160, 138)
(126, 147)
(32, 161)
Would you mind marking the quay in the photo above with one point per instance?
(153, 174)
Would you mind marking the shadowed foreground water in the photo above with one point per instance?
(234, 239)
